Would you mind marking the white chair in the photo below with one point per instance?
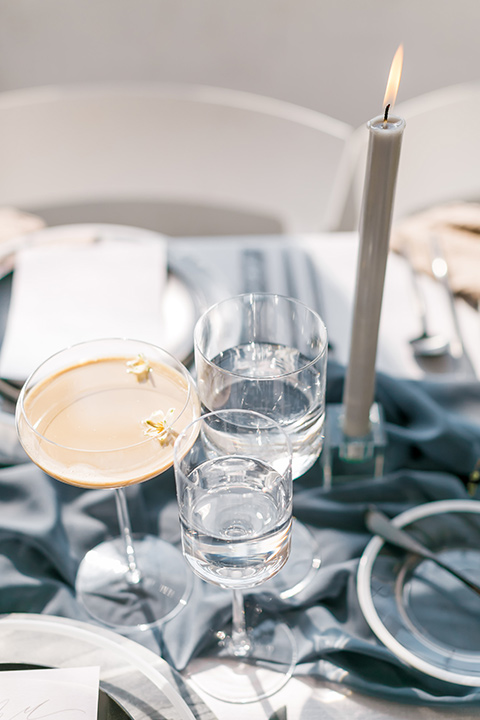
(440, 157)
(184, 160)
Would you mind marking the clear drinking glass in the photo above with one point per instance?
(105, 414)
(268, 353)
(234, 491)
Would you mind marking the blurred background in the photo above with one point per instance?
(204, 163)
(329, 55)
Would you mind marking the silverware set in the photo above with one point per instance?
(439, 352)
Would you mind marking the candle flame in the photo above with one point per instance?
(394, 78)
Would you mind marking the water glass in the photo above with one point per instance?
(266, 353)
(234, 489)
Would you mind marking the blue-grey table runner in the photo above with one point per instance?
(433, 446)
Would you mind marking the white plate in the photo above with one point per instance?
(136, 677)
(108, 707)
(424, 615)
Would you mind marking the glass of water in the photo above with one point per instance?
(233, 471)
(268, 353)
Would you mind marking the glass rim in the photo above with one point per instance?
(229, 411)
(253, 294)
(23, 393)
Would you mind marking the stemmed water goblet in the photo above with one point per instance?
(105, 414)
(233, 472)
(268, 353)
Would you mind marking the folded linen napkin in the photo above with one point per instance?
(15, 222)
(68, 292)
(46, 527)
(457, 227)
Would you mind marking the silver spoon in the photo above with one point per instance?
(441, 273)
(380, 524)
(425, 345)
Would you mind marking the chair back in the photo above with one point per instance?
(172, 157)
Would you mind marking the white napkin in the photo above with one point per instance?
(66, 693)
(65, 294)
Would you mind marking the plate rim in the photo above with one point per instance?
(364, 578)
(142, 659)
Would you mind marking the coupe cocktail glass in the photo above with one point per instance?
(268, 353)
(105, 414)
(233, 472)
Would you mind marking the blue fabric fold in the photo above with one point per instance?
(433, 447)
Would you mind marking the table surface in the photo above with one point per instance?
(218, 263)
(334, 257)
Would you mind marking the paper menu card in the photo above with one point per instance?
(66, 693)
(64, 294)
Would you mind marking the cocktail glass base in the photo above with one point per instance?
(259, 674)
(111, 597)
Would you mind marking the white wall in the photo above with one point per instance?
(330, 55)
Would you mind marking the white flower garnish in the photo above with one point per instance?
(139, 367)
(159, 425)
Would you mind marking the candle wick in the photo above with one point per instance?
(385, 114)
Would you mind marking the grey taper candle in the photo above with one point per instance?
(376, 219)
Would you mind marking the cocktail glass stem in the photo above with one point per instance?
(133, 575)
(240, 643)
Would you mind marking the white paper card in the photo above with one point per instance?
(66, 693)
(66, 294)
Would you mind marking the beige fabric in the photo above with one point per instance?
(457, 228)
(14, 223)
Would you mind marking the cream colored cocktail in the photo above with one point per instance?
(106, 422)
(105, 414)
